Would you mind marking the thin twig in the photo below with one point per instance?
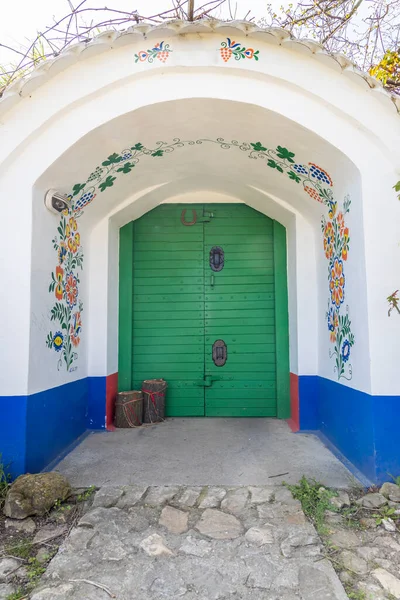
(98, 585)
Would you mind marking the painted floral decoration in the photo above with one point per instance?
(339, 324)
(161, 51)
(64, 285)
(315, 181)
(232, 48)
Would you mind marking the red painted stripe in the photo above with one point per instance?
(294, 421)
(111, 394)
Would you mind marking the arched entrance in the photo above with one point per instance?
(203, 304)
(292, 135)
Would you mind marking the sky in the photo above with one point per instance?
(22, 19)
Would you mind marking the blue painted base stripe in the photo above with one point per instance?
(362, 428)
(36, 429)
(13, 434)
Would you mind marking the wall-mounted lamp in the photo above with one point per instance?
(56, 202)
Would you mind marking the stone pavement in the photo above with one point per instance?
(195, 543)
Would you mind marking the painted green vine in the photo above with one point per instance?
(316, 182)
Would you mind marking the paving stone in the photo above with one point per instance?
(213, 497)
(260, 536)
(388, 525)
(285, 496)
(157, 496)
(317, 584)
(6, 589)
(341, 500)
(235, 501)
(7, 566)
(154, 546)
(262, 572)
(288, 578)
(388, 542)
(384, 563)
(131, 496)
(389, 582)
(371, 591)
(368, 523)
(61, 592)
(107, 496)
(168, 588)
(195, 547)
(295, 518)
(344, 539)
(391, 491)
(42, 555)
(369, 553)
(302, 543)
(259, 495)
(354, 563)
(48, 533)
(176, 521)
(372, 500)
(189, 497)
(25, 526)
(218, 525)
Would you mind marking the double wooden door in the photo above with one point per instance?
(203, 312)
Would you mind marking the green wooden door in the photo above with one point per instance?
(173, 307)
(240, 310)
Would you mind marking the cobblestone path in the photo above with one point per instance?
(210, 543)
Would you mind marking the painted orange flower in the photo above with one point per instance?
(59, 289)
(345, 248)
(75, 329)
(74, 238)
(340, 222)
(329, 238)
(71, 290)
(336, 283)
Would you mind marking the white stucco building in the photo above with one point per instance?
(185, 114)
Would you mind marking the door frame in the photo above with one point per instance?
(125, 315)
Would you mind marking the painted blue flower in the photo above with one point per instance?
(346, 350)
(58, 341)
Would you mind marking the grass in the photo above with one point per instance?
(86, 495)
(21, 549)
(315, 500)
(355, 594)
(17, 595)
(5, 479)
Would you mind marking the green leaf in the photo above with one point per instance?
(285, 154)
(258, 147)
(109, 182)
(137, 146)
(397, 186)
(78, 187)
(294, 176)
(127, 168)
(112, 160)
(274, 165)
(158, 153)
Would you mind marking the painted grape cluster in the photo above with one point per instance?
(316, 182)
